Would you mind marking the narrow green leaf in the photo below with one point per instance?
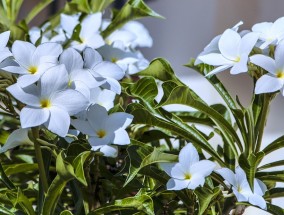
(78, 165)
(270, 165)
(66, 213)
(274, 193)
(205, 197)
(276, 144)
(141, 203)
(133, 9)
(100, 5)
(275, 210)
(4, 178)
(80, 6)
(20, 168)
(183, 95)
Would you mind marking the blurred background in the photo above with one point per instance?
(189, 25)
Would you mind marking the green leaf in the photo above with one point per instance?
(66, 212)
(65, 173)
(183, 95)
(275, 210)
(145, 89)
(20, 199)
(276, 144)
(205, 197)
(141, 203)
(4, 178)
(37, 9)
(270, 165)
(20, 168)
(78, 165)
(80, 6)
(140, 158)
(133, 9)
(100, 5)
(274, 193)
(160, 69)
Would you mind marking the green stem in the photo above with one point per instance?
(263, 119)
(42, 174)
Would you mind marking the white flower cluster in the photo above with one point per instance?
(234, 50)
(80, 81)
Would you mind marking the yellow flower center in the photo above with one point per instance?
(187, 176)
(280, 74)
(237, 59)
(82, 40)
(101, 133)
(32, 69)
(45, 103)
(113, 59)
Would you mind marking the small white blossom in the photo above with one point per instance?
(274, 80)
(33, 61)
(49, 102)
(241, 188)
(189, 172)
(234, 52)
(103, 129)
(270, 33)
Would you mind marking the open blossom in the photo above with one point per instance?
(107, 72)
(212, 47)
(49, 102)
(33, 61)
(234, 52)
(270, 33)
(189, 172)
(103, 129)
(89, 34)
(4, 51)
(241, 187)
(274, 80)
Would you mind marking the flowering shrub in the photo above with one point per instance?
(83, 132)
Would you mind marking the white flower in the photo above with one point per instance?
(89, 35)
(189, 172)
(241, 187)
(274, 80)
(33, 61)
(48, 102)
(16, 138)
(80, 79)
(212, 47)
(103, 129)
(103, 71)
(103, 97)
(270, 33)
(4, 51)
(234, 52)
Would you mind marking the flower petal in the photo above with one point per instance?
(121, 137)
(175, 184)
(96, 141)
(70, 100)
(97, 116)
(118, 120)
(215, 59)
(91, 58)
(31, 117)
(241, 66)
(4, 38)
(23, 52)
(188, 156)
(91, 23)
(27, 80)
(109, 70)
(202, 168)
(257, 201)
(109, 151)
(268, 84)
(195, 181)
(248, 42)
(228, 175)
(71, 59)
(264, 62)
(59, 121)
(83, 126)
(167, 167)
(229, 44)
(4, 53)
(218, 69)
(46, 49)
(279, 56)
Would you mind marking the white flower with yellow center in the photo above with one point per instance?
(274, 80)
(234, 52)
(189, 172)
(49, 102)
(33, 61)
(241, 188)
(89, 35)
(270, 33)
(4, 51)
(103, 129)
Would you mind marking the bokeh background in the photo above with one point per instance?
(188, 27)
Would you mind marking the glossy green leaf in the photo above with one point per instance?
(4, 178)
(37, 9)
(65, 173)
(274, 193)
(20, 168)
(160, 69)
(276, 144)
(183, 95)
(133, 9)
(20, 199)
(78, 165)
(140, 159)
(138, 203)
(205, 197)
(66, 213)
(100, 5)
(79, 6)
(275, 210)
